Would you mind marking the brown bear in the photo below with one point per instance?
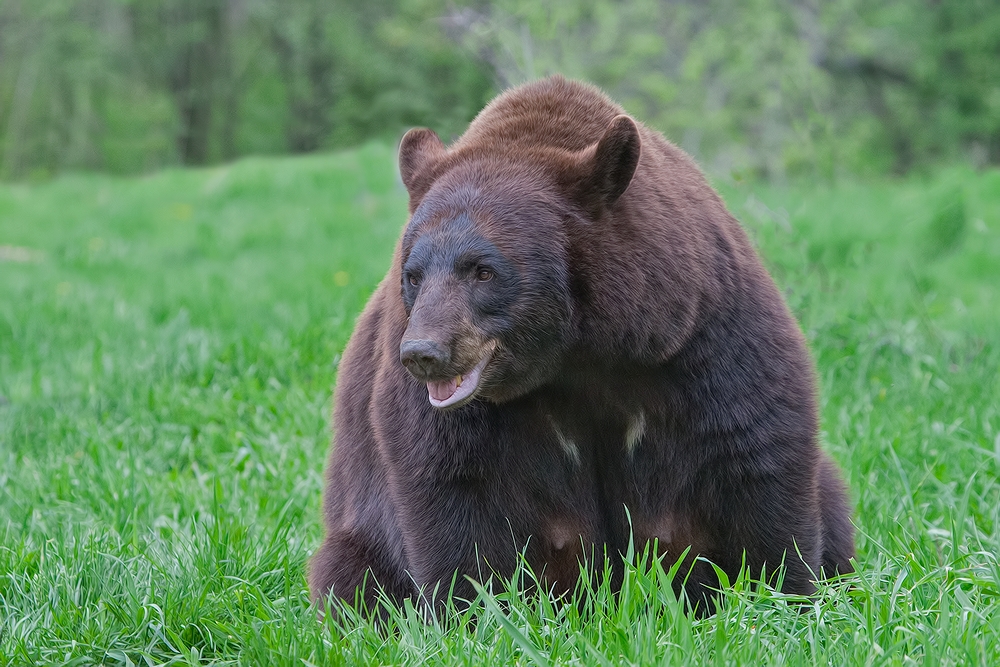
(576, 347)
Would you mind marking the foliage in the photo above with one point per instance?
(766, 87)
(167, 350)
(131, 85)
(771, 86)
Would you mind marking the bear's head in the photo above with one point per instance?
(487, 263)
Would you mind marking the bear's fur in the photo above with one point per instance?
(609, 358)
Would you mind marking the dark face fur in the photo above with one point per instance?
(487, 319)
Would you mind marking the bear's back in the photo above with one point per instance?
(552, 112)
(542, 121)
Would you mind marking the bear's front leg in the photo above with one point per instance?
(354, 566)
(765, 521)
(460, 530)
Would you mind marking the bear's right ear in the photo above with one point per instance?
(418, 148)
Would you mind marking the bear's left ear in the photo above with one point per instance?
(615, 160)
(418, 148)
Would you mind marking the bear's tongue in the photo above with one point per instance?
(445, 393)
(442, 391)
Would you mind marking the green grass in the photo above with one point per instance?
(167, 355)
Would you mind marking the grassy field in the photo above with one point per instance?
(168, 347)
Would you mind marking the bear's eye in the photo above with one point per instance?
(413, 280)
(484, 275)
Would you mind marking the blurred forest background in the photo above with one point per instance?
(761, 88)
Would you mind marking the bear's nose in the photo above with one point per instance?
(424, 358)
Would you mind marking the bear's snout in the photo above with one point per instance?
(425, 359)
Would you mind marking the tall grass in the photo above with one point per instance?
(168, 347)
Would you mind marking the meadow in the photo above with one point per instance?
(168, 350)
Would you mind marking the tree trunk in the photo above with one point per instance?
(194, 75)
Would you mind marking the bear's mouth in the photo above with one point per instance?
(459, 389)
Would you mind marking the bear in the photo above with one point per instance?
(576, 350)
